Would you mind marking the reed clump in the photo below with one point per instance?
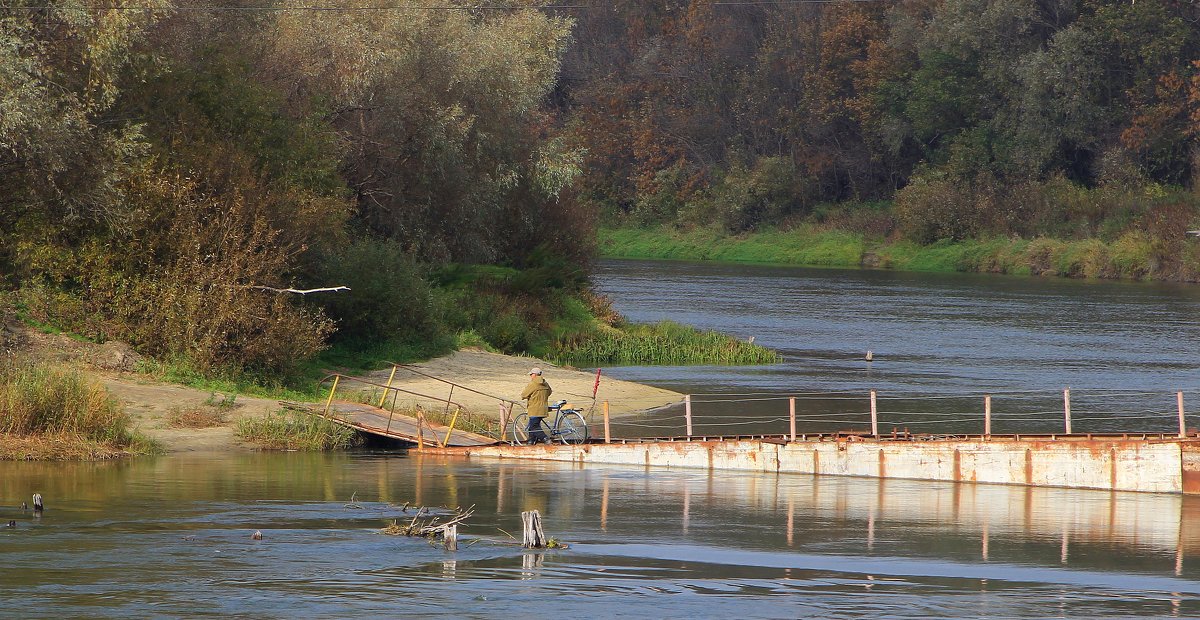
(50, 412)
(296, 430)
(665, 343)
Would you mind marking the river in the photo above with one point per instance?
(940, 343)
(171, 536)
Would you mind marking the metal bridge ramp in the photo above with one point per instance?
(384, 423)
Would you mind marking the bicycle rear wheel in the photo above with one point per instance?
(570, 428)
(518, 433)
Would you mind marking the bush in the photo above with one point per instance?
(201, 301)
(934, 207)
(508, 333)
(388, 297)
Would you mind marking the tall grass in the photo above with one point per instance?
(295, 430)
(38, 400)
(665, 343)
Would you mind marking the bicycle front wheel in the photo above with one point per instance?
(570, 428)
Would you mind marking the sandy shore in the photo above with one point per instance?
(482, 382)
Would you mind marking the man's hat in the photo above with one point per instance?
(535, 371)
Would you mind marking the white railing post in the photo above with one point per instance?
(792, 416)
(987, 415)
(874, 416)
(687, 412)
(1179, 402)
(1067, 408)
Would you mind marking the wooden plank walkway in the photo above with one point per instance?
(384, 423)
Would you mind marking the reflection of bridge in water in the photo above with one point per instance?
(970, 522)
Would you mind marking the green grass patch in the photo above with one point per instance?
(803, 246)
(1131, 255)
(63, 414)
(296, 430)
(665, 343)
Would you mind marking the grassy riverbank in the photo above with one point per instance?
(295, 430)
(666, 343)
(1134, 255)
(52, 413)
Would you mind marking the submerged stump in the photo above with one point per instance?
(532, 536)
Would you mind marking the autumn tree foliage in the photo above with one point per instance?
(694, 111)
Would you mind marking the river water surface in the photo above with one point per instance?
(171, 536)
(940, 342)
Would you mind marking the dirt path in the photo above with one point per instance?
(150, 405)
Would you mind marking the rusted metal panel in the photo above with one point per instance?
(1190, 468)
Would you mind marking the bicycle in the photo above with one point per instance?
(568, 427)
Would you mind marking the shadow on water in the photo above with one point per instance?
(171, 536)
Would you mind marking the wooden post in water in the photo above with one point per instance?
(451, 535)
(687, 413)
(1179, 402)
(987, 415)
(792, 417)
(874, 416)
(532, 536)
(420, 431)
(607, 434)
(1067, 408)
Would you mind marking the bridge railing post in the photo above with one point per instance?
(1179, 404)
(332, 391)
(1067, 409)
(987, 415)
(504, 413)
(449, 431)
(792, 417)
(383, 399)
(687, 413)
(607, 433)
(874, 416)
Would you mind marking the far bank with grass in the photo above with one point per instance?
(1133, 255)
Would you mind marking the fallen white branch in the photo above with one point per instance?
(331, 289)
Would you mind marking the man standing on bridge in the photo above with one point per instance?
(538, 393)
